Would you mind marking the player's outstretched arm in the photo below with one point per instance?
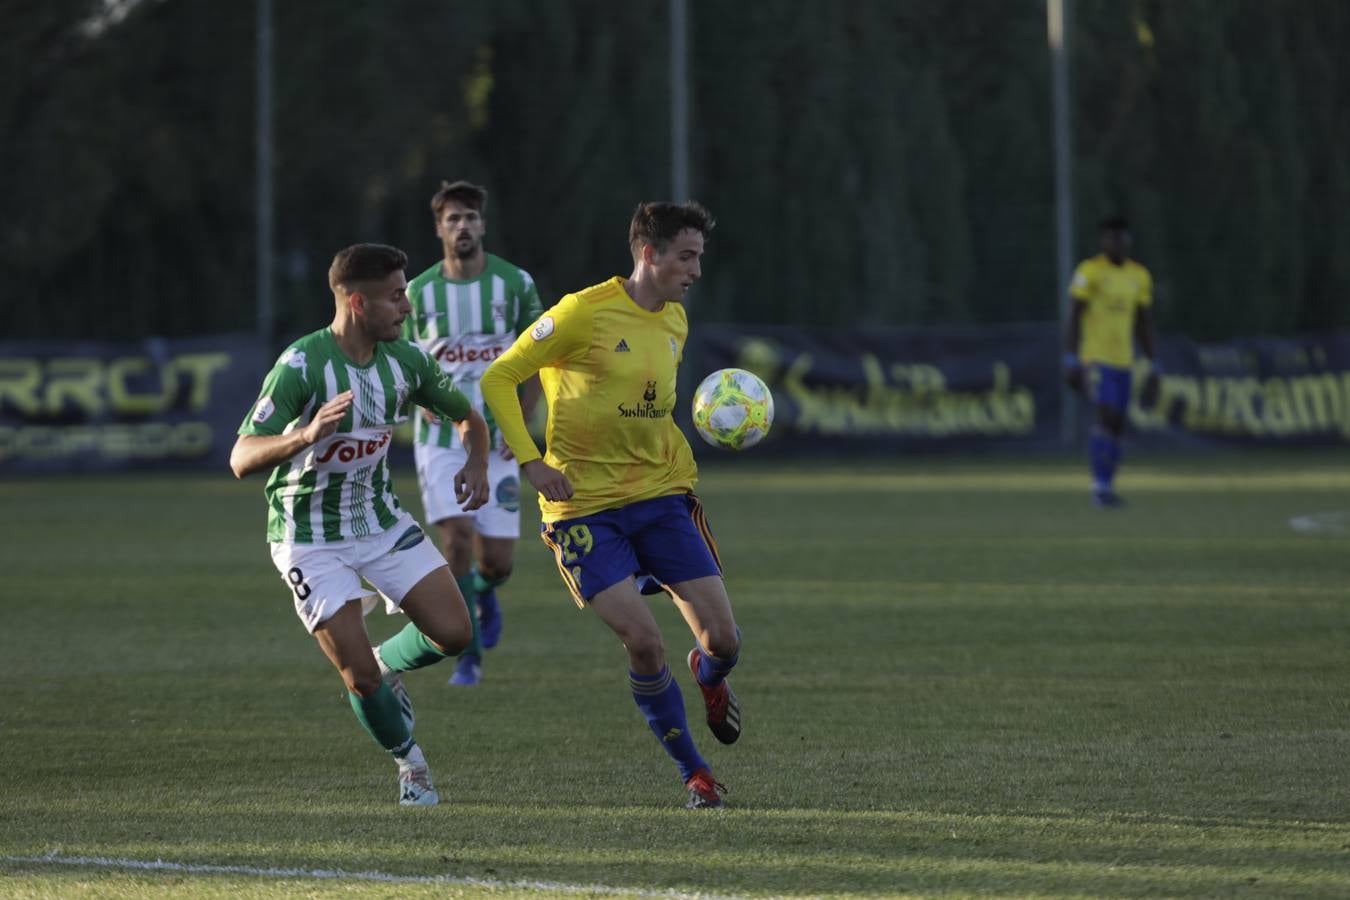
(529, 392)
(471, 482)
(498, 385)
(255, 452)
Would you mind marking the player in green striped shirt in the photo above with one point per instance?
(467, 310)
(322, 424)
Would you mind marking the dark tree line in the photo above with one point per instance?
(871, 163)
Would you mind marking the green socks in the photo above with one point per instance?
(466, 587)
(411, 649)
(482, 585)
(379, 714)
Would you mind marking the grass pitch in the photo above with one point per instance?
(958, 678)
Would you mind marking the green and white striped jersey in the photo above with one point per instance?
(340, 487)
(465, 325)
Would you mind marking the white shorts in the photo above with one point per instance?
(498, 518)
(323, 578)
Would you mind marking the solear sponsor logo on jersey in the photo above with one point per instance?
(469, 351)
(263, 411)
(351, 451)
(542, 329)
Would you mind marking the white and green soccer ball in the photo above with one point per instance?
(733, 409)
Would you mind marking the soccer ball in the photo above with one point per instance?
(733, 409)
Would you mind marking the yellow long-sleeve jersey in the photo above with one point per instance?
(608, 370)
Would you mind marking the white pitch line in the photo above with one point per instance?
(160, 865)
(1322, 523)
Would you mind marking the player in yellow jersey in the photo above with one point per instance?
(616, 484)
(1111, 297)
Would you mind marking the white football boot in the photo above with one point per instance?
(415, 787)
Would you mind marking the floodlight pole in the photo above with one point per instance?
(1057, 21)
(262, 236)
(679, 132)
(679, 100)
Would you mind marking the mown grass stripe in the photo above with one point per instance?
(160, 865)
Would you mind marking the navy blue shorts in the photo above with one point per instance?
(667, 537)
(1112, 387)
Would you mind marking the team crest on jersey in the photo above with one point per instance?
(263, 411)
(499, 309)
(674, 349)
(293, 358)
(400, 397)
(542, 329)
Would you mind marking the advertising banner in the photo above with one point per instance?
(1275, 391)
(1000, 386)
(177, 403)
(895, 388)
(154, 404)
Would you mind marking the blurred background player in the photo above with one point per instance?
(1110, 299)
(322, 424)
(616, 485)
(467, 310)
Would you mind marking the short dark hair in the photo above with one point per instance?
(1114, 222)
(364, 262)
(659, 223)
(464, 193)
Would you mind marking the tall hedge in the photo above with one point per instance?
(871, 163)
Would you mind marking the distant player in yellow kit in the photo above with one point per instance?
(1111, 297)
(616, 485)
